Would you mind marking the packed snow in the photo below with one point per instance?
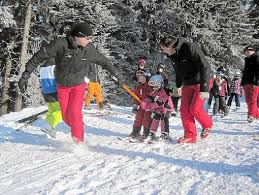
(33, 163)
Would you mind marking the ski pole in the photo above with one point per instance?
(127, 89)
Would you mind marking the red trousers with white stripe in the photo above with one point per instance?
(251, 93)
(71, 102)
(191, 109)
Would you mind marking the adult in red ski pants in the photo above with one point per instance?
(191, 109)
(71, 102)
(251, 94)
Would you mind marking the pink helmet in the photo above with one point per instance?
(141, 62)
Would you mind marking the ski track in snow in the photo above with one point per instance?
(32, 163)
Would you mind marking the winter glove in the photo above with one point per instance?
(204, 95)
(145, 106)
(135, 108)
(23, 82)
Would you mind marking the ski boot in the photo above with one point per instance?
(49, 130)
(250, 119)
(144, 135)
(135, 133)
(189, 140)
(100, 105)
(205, 133)
(165, 136)
(151, 138)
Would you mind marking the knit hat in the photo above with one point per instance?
(82, 30)
(141, 62)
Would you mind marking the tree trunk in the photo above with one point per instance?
(23, 58)
(6, 82)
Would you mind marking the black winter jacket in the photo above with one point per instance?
(92, 74)
(72, 62)
(251, 70)
(190, 66)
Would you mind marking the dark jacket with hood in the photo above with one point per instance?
(251, 70)
(190, 66)
(72, 61)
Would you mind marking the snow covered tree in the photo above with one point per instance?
(126, 30)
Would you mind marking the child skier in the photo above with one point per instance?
(142, 118)
(94, 87)
(235, 90)
(141, 66)
(49, 92)
(175, 96)
(219, 90)
(160, 104)
(169, 92)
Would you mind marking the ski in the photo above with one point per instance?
(130, 140)
(147, 141)
(30, 119)
(28, 122)
(49, 132)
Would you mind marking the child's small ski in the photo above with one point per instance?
(49, 132)
(130, 140)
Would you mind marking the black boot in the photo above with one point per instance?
(145, 133)
(100, 105)
(135, 132)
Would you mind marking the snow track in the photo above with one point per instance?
(225, 163)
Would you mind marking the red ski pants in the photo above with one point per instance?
(251, 93)
(71, 102)
(142, 118)
(191, 109)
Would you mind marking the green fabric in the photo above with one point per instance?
(173, 88)
(54, 116)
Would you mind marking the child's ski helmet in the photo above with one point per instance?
(141, 62)
(156, 81)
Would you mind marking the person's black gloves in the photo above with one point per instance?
(23, 82)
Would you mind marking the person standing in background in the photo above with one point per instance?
(250, 82)
(94, 87)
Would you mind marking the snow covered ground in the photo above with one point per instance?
(32, 163)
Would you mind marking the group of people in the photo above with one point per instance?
(193, 73)
(222, 88)
(74, 56)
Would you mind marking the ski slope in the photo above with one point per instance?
(33, 163)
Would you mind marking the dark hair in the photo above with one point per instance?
(168, 41)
